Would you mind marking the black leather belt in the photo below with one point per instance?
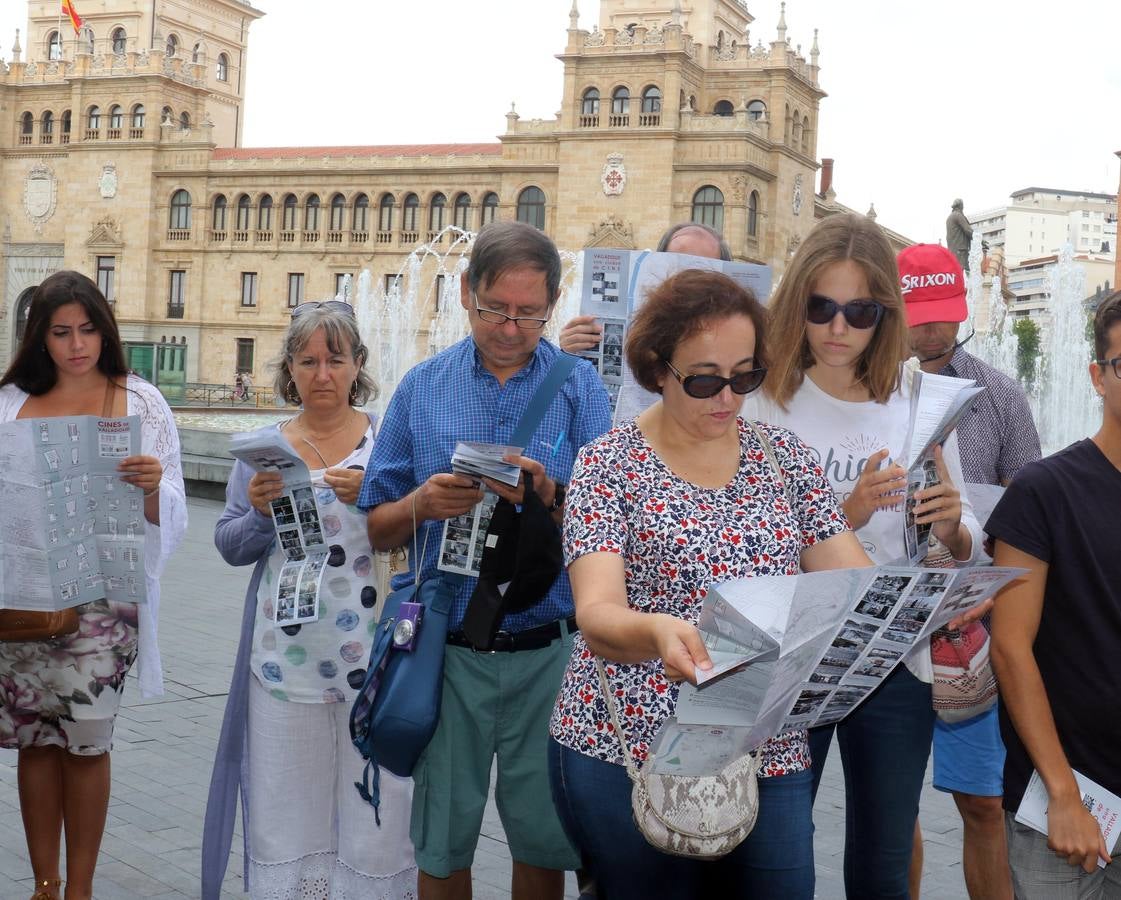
(511, 641)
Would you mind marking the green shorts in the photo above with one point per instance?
(493, 703)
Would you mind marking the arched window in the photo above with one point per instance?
(172, 45)
(620, 106)
(361, 213)
(87, 33)
(385, 213)
(288, 222)
(195, 53)
(64, 124)
(652, 99)
(338, 212)
(180, 215)
(118, 40)
(219, 221)
(490, 208)
(756, 110)
(753, 214)
(54, 45)
(264, 213)
(167, 117)
(796, 131)
(436, 210)
(242, 221)
(93, 118)
(138, 116)
(708, 207)
(26, 126)
(116, 116)
(723, 108)
(589, 104)
(185, 121)
(805, 134)
(46, 127)
(461, 214)
(409, 213)
(311, 213)
(222, 69)
(531, 207)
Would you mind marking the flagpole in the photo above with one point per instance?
(59, 31)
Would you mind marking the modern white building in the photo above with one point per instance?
(1039, 221)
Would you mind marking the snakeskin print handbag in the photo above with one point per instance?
(699, 816)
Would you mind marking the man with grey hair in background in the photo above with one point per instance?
(582, 333)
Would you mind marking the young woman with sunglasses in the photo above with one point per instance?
(658, 509)
(837, 380)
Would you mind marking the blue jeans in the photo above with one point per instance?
(593, 799)
(885, 743)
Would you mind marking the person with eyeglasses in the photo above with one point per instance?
(497, 699)
(1056, 638)
(837, 380)
(996, 438)
(660, 508)
(285, 741)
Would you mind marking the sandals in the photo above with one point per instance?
(47, 889)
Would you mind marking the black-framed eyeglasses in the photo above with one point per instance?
(339, 306)
(494, 317)
(1115, 363)
(858, 313)
(701, 387)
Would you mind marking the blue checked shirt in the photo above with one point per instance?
(452, 397)
(997, 436)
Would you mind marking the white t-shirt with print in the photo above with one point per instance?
(843, 434)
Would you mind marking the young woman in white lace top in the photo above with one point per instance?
(59, 699)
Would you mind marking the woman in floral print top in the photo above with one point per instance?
(658, 509)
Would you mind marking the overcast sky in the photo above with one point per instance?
(970, 99)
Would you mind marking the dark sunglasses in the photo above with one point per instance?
(701, 387)
(858, 313)
(339, 306)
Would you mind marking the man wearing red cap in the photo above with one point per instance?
(996, 437)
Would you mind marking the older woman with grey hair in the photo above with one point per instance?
(285, 741)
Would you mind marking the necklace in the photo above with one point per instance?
(325, 437)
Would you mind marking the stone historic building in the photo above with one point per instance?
(121, 156)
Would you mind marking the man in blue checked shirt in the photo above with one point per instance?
(493, 702)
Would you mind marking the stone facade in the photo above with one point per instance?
(669, 113)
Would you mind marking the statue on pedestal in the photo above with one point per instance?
(959, 234)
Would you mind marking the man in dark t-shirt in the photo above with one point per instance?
(1057, 641)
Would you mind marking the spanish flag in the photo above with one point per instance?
(75, 19)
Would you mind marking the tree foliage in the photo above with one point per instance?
(1027, 348)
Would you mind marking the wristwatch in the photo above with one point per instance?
(558, 497)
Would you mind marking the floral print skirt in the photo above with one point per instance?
(66, 692)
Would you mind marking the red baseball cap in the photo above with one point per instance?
(933, 285)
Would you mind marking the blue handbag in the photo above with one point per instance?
(396, 711)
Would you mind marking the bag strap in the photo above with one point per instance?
(632, 771)
(539, 404)
(107, 404)
(769, 450)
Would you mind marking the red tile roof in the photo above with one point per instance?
(387, 150)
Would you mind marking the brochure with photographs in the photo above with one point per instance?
(464, 537)
(937, 404)
(1102, 804)
(616, 284)
(803, 650)
(296, 518)
(71, 530)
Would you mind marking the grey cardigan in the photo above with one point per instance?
(243, 536)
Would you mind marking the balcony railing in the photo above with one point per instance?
(136, 134)
(175, 310)
(589, 121)
(241, 237)
(264, 237)
(619, 121)
(47, 138)
(311, 237)
(113, 134)
(409, 237)
(648, 120)
(359, 237)
(287, 237)
(179, 234)
(93, 134)
(64, 138)
(334, 237)
(24, 139)
(385, 237)
(217, 237)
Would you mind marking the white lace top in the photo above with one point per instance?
(159, 438)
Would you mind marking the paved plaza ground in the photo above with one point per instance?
(164, 749)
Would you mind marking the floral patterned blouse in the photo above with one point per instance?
(676, 539)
